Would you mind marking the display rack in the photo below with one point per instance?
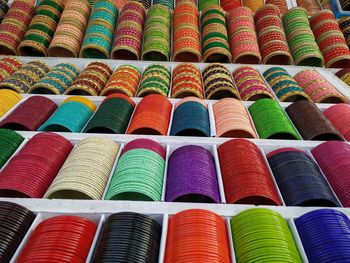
(98, 210)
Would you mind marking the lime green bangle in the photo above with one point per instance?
(271, 122)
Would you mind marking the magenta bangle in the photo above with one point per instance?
(124, 41)
(128, 31)
(252, 89)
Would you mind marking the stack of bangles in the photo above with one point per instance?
(129, 33)
(344, 25)
(125, 79)
(14, 26)
(243, 40)
(8, 66)
(218, 82)
(203, 4)
(41, 29)
(215, 47)
(229, 5)
(250, 84)
(253, 4)
(281, 4)
(187, 81)
(186, 35)
(284, 86)
(92, 80)
(344, 75)
(272, 40)
(98, 37)
(318, 88)
(57, 81)
(157, 34)
(155, 80)
(25, 77)
(70, 30)
(301, 40)
(330, 40)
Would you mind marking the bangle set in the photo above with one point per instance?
(129, 33)
(284, 86)
(186, 36)
(14, 26)
(98, 37)
(272, 40)
(70, 30)
(124, 80)
(25, 77)
(250, 84)
(218, 82)
(215, 46)
(92, 80)
(243, 39)
(155, 80)
(187, 82)
(330, 40)
(157, 34)
(300, 38)
(41, 29)
(318, 88)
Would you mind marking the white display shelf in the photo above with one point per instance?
(98, 210)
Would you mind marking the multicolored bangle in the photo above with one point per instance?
(129, 35)
(218, 82)
(330, 40)
(96, 43)
(187, 82)
(243, 39)
(92, 80)
(272, 41)
(70, 30)
(284, 86)
(15, 23)
(167, 3)
(157, 34)
(125, 80)
(25, 77)
(250, 84)
(37, 40)
(186, 34)
(318, 88)
(215, 47)
(8, 66)
(155, 80)
(300, 38)
(57, 81)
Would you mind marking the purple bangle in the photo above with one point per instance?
(192, 176)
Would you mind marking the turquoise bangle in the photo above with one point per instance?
(69, 117)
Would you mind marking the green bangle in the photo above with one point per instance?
(271, 122)
(52, 3)
(38, 39)
(213, 11)
(212, 35)
(41, 27)
(214, 44)
(213, 20)
(202, 4)
(47, 13)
